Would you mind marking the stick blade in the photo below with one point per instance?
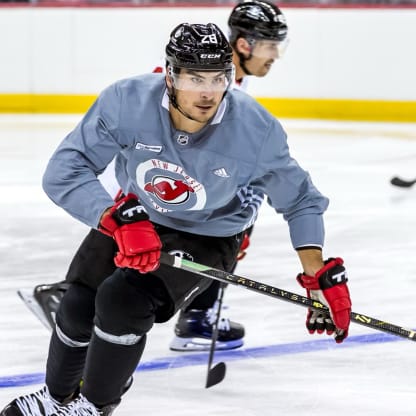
(215, 375)
(396, 181)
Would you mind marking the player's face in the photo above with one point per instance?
(264, 53)
(260, 56)
(259, 67)
(199, 93)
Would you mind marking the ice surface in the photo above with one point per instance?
(282, 370)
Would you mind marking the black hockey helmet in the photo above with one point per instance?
(200, 47)
(257, 19)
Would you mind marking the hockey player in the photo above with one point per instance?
(258, 36)
(180, 141)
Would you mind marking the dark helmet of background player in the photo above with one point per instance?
(200, 47)
(257, 19)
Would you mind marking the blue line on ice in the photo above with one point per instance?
(186, 360)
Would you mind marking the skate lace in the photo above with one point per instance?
(82, 407)
(40, 403)
(223, 323)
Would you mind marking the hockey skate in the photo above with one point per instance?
(44, 300)
(193, 332)
(41, 403)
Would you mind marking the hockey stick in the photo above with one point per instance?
(217, 373)
(274, 292)
(401, 182)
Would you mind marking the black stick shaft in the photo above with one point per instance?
(275, 292)
(213, 376)
(215, 326)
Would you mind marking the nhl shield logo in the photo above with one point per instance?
(183, 139)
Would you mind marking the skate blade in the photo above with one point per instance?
(201, 344)
(29, 300)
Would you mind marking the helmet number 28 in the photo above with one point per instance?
(209, 39)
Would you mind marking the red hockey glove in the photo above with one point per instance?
(329, 287)
(138, 242)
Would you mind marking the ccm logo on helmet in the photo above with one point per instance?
(210, 55)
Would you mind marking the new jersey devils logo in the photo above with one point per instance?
(168, 189)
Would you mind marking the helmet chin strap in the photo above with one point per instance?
(243, 60)
(174, 102)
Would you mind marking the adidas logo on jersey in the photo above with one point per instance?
(221, 172)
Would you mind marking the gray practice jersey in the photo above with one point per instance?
(206, 183)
